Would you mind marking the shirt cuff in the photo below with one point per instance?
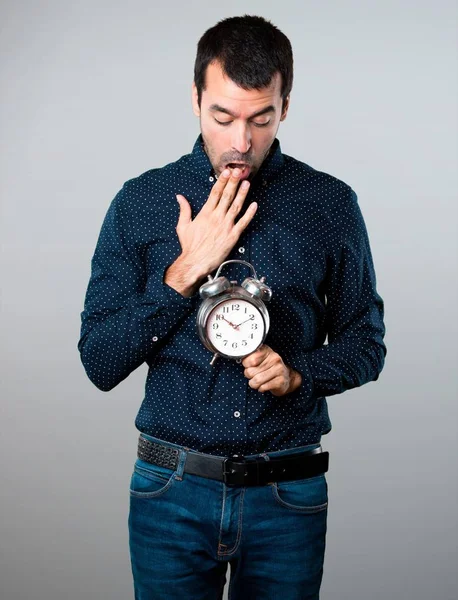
(298, 362)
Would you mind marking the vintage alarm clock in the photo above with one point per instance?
(232, 320)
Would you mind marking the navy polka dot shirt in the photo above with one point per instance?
(308, 238)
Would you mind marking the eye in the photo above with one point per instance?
(223, 123)
(261, 124)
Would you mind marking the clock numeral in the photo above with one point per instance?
(225, 342)
(219, 336)
(254, 325)
(234, 344)
(244, 343)
(219, 317)
(235, 307)
(225, 309)
(251, 317)
(215, 325)
(251, 336)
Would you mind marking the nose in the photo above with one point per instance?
(241, 139)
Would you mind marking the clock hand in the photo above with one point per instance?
(231, 324)
(237, 326)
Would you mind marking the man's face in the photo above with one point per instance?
(238, 126)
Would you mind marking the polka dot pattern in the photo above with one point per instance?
(308, 239)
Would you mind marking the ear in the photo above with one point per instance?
(195, 102)
(285, 109)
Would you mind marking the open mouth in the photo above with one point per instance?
(244, 168)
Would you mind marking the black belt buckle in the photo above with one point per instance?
(234, 472)
(237, 470)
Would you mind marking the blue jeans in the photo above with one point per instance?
(185, 529)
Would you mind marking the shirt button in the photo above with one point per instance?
(155, 338)
(237, 414)
(264, 182)
(211, 178)
(242, 250)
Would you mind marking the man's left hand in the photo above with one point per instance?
(266, 371)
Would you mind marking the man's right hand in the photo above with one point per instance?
(207, 240)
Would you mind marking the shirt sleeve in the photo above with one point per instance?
(355, 352)
(128, 313)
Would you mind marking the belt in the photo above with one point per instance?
(237, 470)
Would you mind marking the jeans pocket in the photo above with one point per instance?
(304, 495)
(149, 481)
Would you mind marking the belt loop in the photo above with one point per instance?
(181, 463)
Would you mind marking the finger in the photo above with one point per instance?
(185, 211)
(239, 199)
(245, 220)
(266, 366)
(262, 364)
(217, 190)
(251, 372)
(229, 192)
(276, 386)
(254, 359)
(263, 378)
(271, 362)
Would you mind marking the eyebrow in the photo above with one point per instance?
(263, 111)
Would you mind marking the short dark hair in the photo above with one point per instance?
(250, 50)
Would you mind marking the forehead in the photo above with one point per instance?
(220, 89)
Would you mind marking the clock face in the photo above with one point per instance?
(235, 327)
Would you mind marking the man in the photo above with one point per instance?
(230, 467)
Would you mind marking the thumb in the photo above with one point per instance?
(185, 211)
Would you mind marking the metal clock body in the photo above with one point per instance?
(232, 320)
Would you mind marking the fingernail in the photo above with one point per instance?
(236, 172)
(226, 173)
(245, 184)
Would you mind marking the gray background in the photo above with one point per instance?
(97, 92)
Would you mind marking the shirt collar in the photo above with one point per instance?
(269, 168)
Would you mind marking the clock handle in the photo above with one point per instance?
(236, 260)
